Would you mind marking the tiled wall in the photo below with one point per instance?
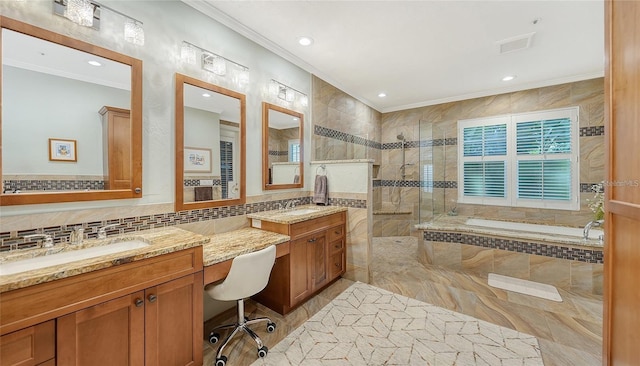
(435, 129)
(343, 127)
(51, 183)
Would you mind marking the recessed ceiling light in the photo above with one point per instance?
(94, 63)
(305, 41)
(382, 95)
(508, 78)
(206, 95)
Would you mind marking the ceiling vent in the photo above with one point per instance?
(516, 43)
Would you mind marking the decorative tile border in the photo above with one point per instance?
(132, 224)
(278, 152)
(416, 184)
(592, 131)
(51, 185)
(586, 187)
(196, 182)
(342, 136)
(547, 250)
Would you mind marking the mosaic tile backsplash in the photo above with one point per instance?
(60, 234)
(11, 185)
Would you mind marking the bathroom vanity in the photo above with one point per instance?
(134, 308)
(317, 254)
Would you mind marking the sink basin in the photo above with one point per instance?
(29, 264)
(300, 211)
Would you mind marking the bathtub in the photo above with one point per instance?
(594, 233)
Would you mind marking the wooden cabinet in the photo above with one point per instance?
(117, 147)
(147, 312)
(31, 346)
(150, 327)
(316, 259)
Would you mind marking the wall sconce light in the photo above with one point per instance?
(214, 63)
(87, 13)
(287, 93)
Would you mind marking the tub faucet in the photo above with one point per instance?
(589, 225)
(102, 232)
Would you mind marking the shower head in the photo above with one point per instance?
(400, 136)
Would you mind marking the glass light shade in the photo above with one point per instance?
(243, 78)
(133, 32)
(274, 88)
(188, 54)
(290, 95)
(79, 12)
(215, 64)
(304, 100)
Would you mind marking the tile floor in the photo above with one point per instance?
(569, 333)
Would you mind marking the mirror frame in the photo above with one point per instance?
(135, 190)
(266, 107)
(180, 205)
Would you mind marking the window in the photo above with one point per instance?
(294, 151)
(522, 160)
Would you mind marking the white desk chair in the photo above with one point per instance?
(249, 275)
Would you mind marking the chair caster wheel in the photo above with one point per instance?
(262, 352)
(222, 361)
(214, 338)
(271, 327)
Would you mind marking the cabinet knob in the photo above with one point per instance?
(139, 302)
(337, 264)
(152, 298)
(337, 246)
(138, 190)
(337, 232)
(312, 240)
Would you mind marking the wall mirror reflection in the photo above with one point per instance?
(71, 119)
(282, 157)
(210, 145)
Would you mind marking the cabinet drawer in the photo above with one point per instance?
(336, 265)
(336, 246)
(336, 233)
(29, 346)
(321, 223)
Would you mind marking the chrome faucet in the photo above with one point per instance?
(77, 235)
(290, 204)
(102, 232)
(589, 225)
(46, 243)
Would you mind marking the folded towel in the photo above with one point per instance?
(321, 190)
(296, 179)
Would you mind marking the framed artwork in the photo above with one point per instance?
(63, 150)
(197, 160)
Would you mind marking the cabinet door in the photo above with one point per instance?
(109, 334)
(29, 346)
(318, 261)
(300, 280)
(174, 322)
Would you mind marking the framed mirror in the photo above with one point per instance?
(71, 119)
(282, 147)
(210, 145)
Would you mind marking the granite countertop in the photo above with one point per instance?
(285, 216)
(457, 224)
(162, 241)
(234, 243)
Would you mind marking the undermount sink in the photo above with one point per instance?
(28, 264)
(300, 211)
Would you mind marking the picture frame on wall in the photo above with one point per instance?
(63, 150)
(197, 160)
